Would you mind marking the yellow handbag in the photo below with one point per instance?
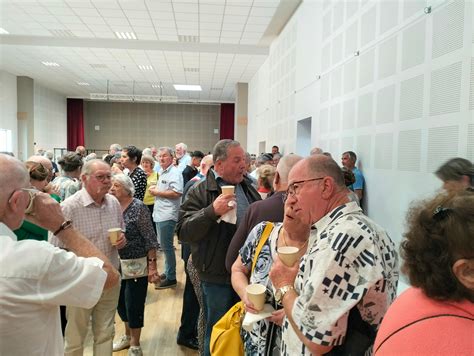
(225, 337)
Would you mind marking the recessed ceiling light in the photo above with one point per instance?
(145, 67)
(157, 86)
(50, 64)
(187, 87)
(125, 35)
(83, 84)
(3, 31)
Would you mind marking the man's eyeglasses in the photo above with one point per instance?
(293, 187)
(102, 177)
(31, 196)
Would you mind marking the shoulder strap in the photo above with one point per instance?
(266, 233)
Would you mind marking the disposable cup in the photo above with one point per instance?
(114, 234)
(256, 294)
(228, 189)
(288, 255)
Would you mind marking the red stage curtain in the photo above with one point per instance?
(75, 123)
(227, 121)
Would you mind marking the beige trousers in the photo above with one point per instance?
(102, 316)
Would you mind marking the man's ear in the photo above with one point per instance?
(328, 187)
(276, 179)
(463, 269)
(14, 203)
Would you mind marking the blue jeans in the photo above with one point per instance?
(166, 234)
(218, 299)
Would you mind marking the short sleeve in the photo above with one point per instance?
(176, 183)
(359, 180)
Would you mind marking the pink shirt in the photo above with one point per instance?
(93, 221)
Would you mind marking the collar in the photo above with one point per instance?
(6, 231)
(87, 200)
(167, 169)
(335, 214)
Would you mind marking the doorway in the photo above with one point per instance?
(303, 137)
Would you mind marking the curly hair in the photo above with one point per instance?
(440, 232)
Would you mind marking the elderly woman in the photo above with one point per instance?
(139, 257)
(148, 163)
(436, 315)
(265, 174)
(68, 183)
(131, 158)
(457, 174)
(265, 334)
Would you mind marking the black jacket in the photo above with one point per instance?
(197, 225)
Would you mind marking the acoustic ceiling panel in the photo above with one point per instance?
(409, 150)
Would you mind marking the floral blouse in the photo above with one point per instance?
(255, 341)
(138, 231)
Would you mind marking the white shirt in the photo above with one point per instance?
(35, 278)
(167, 208)
(184, 161)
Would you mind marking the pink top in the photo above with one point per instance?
(417, 325)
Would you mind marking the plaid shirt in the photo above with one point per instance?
(93, 221)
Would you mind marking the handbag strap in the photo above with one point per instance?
(266, 233)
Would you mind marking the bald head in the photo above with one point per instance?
(324, 165)
(14, 176)
(284, 166)
(316, 151)
(206, 163)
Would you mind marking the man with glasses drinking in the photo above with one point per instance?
(351, 268)
(93, 211)
(35, 277)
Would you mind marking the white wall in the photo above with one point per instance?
(404, 105)
(8, 106)
(50, 118)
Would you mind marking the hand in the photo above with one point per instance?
(282, 275)
(153, 275)
(51, 189)
(277, 317)
(221, 204)
(153, 190)
(46, 212)
(249, 307)
(121, 241)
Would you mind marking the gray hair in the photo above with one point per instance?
(149, 159)
(183, 146)
(49, 155)
(221, 149)
(316, 151)
(285, 164)
(320, 164)
(125, 181)
(116, 147)
(89, 166)
(146, 152)
(166, 148)
(14, 175)
(455, 169)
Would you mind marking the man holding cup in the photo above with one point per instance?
(207, 223)
(93, 212)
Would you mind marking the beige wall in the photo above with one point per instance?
(143, 124)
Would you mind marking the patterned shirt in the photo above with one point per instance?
(67, 186)
(255, 340)
(138, 177)
(93, 221)
(350, 261)
(138, 230)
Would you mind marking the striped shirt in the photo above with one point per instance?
(93, 221)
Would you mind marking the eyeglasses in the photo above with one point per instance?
(31, 197)
(293, 187)
(102, 177)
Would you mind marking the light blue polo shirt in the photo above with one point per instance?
(165, 208)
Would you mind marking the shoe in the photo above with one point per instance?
(166, 283)
(135, 351)
(189, 343)
(163, 276)
(122, 344)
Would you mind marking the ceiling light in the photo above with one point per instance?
(125, 35)
(83, 84)
(3, 31)
(50, 64)
(145, 67)
(187, 87)
(157, 86)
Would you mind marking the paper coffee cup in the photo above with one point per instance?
(256, 294)
(288, 255)
(114, 235)
(228, 189)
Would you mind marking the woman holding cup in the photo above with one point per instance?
(291, 233)
(137, 262)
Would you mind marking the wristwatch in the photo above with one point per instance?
(65, 225)
(280, 292)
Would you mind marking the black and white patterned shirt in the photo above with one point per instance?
(350, 261)
(138, 177)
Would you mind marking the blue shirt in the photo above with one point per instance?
(359, 179)
(167, 208)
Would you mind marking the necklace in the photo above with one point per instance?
(284, 241)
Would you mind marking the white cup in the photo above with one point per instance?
(256, 294)
(228, 189)
(114, 234)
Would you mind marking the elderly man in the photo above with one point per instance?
(81, 151)
(201, 225)
(35, 277)
(93, 211)
(167, 194)
(349, 160)
(350, 270)
(115, 149)
(182, 156)
(270, 209)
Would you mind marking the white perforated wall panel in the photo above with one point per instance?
(471, 95)
(470, 142)
(409, 150)
(351, 43)
(387, 58)
(335, 123)
(347, 144)
(446, 90)
(364, 150)
(448, 28)
(326, 57)
(413, 44)
(442, 145)
(383, 150)
(323, 121)
(412, 7)
(336, 77)
(388, 15)
(368, 26)
(385, 105)
(364, 116)
(366, 70)
(411, 98)
(334, 147)
(327, 24)
(350, 72)
(348, 114)
(338, 15)
(351, 8)
(337, 49)
(325, 88)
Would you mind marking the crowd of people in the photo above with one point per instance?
(335, 299)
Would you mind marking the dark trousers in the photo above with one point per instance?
(190, 311)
